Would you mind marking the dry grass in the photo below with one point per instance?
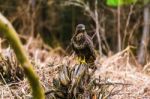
(119, 68)
(122, 68)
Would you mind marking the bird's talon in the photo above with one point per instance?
(83, 61)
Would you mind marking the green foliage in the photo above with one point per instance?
(146, 1)
(120, 2)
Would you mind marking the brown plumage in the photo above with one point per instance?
(83, 45)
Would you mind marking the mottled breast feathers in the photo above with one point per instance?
(83, 47)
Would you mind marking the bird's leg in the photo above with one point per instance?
(83, 61)
(78, 59)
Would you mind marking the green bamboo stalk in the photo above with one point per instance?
(10, 33)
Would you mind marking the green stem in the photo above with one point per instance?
(10, 33)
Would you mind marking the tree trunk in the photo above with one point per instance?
(145, 37)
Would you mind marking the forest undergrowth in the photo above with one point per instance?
(121, 72)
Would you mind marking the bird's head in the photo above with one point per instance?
(80, 28)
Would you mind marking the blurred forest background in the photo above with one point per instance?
(121, 36)
(111, 28)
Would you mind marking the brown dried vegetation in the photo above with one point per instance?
(117, 76)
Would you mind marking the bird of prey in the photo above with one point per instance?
(83, 46)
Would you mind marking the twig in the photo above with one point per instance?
(109, 83)
(7, 28)
(127, 24)
(118, 28)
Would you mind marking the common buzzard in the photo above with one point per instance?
(83, 46)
